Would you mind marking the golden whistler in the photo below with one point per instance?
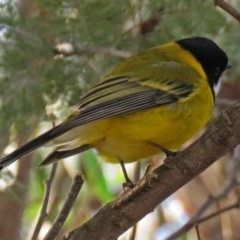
(160, 97)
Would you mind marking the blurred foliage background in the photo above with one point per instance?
(53, 51)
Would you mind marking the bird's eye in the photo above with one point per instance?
(216, 71)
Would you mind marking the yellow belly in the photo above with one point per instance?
(126, 137)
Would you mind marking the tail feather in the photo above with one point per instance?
(32, 145)
(58, 155)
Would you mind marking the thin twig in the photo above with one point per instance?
(66, 208)
(235, 205)
(228, 8)
(43, 212)
(92, 50)
(137, 172)
(136, 177)
(133, 232)
(197, 231)
(212, 199)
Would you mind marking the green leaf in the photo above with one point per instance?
(95, 178)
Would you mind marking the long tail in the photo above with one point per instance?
(32, 145)
(56, 156)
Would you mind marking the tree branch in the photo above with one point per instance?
(212, 199)
(197, 231)
(228, 8)
(235, 205)
(68, 49)
(66, 208)
(43, 211)
(131, 206)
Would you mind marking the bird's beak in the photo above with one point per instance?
(229, 65)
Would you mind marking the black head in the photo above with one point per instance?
(212, 58)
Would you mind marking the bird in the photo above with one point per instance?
(148, 104)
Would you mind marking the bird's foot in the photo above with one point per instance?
(169, 154)
(128, 184)
(168, 161)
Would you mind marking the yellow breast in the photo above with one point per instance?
(126, 137)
